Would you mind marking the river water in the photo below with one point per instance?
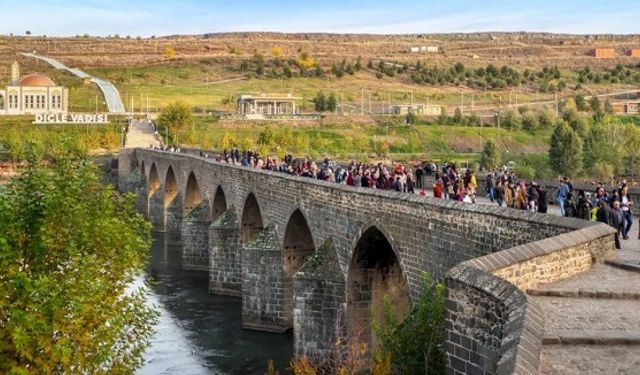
(200, 333)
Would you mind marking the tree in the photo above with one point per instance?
(414, 344)
(276, 51)
(28, 32)
(581, 103)
(170, 53)
(331, 103)
(529, 121)
(71, 248)
(410, 118)
(319, 102)
(565, 151)
(595, 105)
(490, 157)
(546, 117)
(175, 117)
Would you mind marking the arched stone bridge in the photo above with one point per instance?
(318, 258)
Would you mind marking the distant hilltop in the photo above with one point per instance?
(525, 49)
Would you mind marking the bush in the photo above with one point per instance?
(415, 344)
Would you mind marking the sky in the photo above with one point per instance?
(169, 17)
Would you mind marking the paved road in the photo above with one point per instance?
(141, 134)
(110, 92)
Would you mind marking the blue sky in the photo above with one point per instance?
(166, 17)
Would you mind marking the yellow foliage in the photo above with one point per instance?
(306, 61)
(169, 53)
(276, 51)
(302, 366)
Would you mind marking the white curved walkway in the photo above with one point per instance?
(109, 91)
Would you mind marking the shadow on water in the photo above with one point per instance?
(200, 333)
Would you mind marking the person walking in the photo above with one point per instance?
(617, 221)
(561, 196)
(626, 203)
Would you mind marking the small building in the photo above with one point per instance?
(32, 94)
(418, 109)
(633, 53)
(629, 107)
(271, 105)
(603, 53)
(424, 49)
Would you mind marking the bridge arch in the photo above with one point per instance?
(219, 205)
(170, 187)
(297, 246)
(374, 274)
(154, 181)
(193, 195)
(251, 223)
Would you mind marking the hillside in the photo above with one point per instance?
(208, 71)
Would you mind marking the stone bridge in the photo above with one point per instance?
(317, 258)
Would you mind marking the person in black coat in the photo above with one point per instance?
(542, 199)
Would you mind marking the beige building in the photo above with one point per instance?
(32, 94)
(418, 109)
(270, 105)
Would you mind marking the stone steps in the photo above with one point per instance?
(591, 323)
(590, 359)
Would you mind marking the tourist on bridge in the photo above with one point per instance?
(626, 203)
(562, 195)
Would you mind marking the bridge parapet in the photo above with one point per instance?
(416, 233)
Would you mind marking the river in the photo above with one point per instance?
(200, 333)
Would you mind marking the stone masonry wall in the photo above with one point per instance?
(492, 327)
(263, 284)
(225, 262)
(425, 234)
(195, 239)
(319, 312)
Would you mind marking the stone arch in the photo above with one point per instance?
(251, 223)
(170, 187)
(297, 246)
(374, 274)
(154, 181)
(193, 195)
(219, 205)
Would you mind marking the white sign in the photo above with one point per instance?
(73, 118)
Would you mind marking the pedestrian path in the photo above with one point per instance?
(109, 91)
(141, 134)
(592, 320)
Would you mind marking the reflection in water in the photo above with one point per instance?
(199, 333)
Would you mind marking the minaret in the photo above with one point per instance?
(15, 73)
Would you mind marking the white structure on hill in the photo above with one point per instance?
(32, 94)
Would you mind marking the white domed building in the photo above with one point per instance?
(32, 94)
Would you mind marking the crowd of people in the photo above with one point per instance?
(502, 186)
(376, 176)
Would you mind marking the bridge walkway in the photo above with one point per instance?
(592, 320)
(141, 134)
(109, 91)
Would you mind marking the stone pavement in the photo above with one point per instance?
(592, 320)
(141, 134)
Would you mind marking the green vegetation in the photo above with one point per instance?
(19, 137)
(70, 248)
(175, 117)
(565, 152)
(620, 74)
(490, 157)
(414, 345)
(390, 138)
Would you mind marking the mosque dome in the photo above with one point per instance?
(36, 80)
